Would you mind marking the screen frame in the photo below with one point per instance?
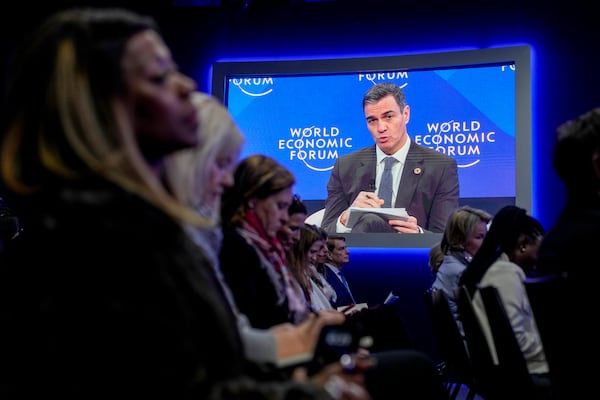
(520, 55)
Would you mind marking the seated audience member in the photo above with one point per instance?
(253, 210)
(115, 300)
(304, 256)
(318, 269)
(339, 256)
(289, 235)
(380, 321)
(462, 237)
(197, 177)
(569, 251)
(323, 254)
(506, 256)
(419, 179)
(290, 231)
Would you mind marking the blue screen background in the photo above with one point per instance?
(470, 110)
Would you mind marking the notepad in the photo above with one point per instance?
(386, 212)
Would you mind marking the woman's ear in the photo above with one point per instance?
(519, 250)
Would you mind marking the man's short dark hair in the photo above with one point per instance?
(297, 206)
(331, 241)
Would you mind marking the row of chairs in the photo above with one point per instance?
(467, 360)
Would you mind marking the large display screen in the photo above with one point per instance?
(474, 105)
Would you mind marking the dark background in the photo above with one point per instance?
(565, 74)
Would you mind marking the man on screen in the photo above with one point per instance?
(422, 180)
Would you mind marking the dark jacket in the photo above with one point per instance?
(429, 188)
(344, 297)
(252, 287)
(103, 296)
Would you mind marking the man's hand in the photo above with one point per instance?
(409, 226)
(367, 200)
(363, 200)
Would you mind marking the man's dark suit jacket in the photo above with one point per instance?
(428, 187)
(343, 295)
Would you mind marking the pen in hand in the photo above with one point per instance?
(371, 200)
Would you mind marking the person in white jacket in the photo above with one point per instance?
(506, 256)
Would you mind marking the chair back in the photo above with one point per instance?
(316, 218)
(483, 367)
(511, 362)
(450, 343)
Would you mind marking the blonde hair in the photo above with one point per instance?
(187, 171)
(461, 223)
